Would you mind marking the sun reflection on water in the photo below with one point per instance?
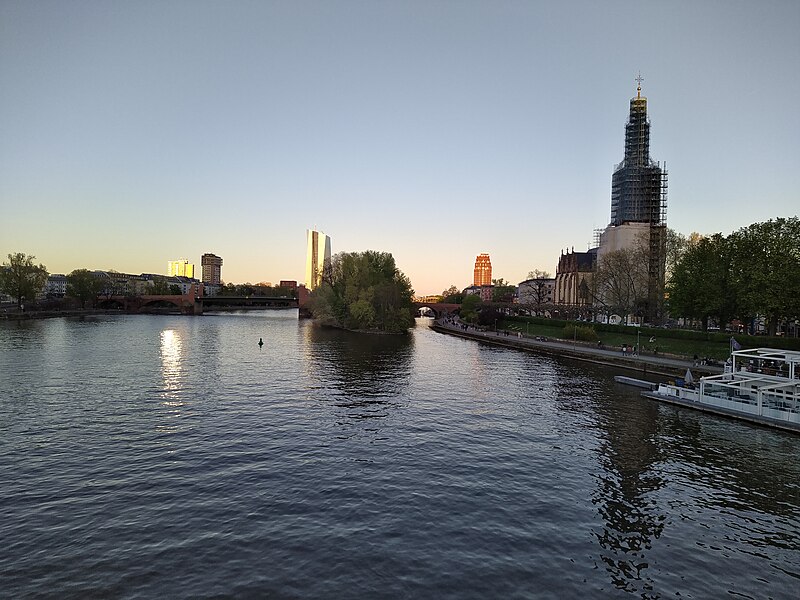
(172, 374)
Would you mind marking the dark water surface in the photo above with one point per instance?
(159, 456)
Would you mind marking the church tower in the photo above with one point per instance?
(639, 203)
(639, 185)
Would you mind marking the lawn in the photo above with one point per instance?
(662, 345)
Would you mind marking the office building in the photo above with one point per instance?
(180, 268)
(483, 270)
(212, 269)
(318, 257)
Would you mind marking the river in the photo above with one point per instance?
(168, 456)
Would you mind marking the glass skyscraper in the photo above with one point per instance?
(318, 257)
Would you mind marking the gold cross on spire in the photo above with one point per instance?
(639, 79)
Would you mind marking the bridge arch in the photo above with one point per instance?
(440, 309)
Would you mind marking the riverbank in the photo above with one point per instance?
(661, 365)
(51, 314)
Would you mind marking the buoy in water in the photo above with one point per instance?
(260, 342)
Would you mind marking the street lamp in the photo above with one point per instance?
(638, 347)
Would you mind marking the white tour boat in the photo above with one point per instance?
(761, 385)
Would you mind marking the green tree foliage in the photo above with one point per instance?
(753, 272)
(503, 291)
(364, 291)
(84, 285)
(160, 287)
(452, 295)
(175, 289)
(703, 284)
(767, 270)
(489, 316)
(21, 278)
(579, 332)
(676, 246)
(470, 307)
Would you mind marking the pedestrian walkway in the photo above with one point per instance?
(671, 366)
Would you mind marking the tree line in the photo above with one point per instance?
(752, 272)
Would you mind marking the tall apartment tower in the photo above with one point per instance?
(180, 268)
(212, 269)
(483, 270)
(318, 257)
(639, 196)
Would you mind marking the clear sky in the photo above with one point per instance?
(133, 133)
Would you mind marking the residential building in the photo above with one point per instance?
(483, 270)
(212, 269)
(56, 286)
(318, 257)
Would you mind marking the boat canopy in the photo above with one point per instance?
(772, 361)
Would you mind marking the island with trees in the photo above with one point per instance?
(364, 291)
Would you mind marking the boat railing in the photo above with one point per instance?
(752, 393)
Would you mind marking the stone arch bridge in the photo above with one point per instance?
(440, 309)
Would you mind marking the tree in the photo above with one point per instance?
(364, 291)
(767, 269)
(703, 284)
(160, 287)
(676, 246)
(470, 307)
(175, 289)
(84, 285)
(538, 274)
(503, 291)
(21, 278)
(620, 281)
(538, 287)
(452, 295)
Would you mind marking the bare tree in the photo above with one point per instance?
(620, 281)
(538, 288)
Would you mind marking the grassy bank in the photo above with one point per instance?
(666, 341)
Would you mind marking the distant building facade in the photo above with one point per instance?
(56, 286)
(288, 284)
(483, 270)
(180, 268)
(212, 269)
(318, 257)
(574, 278)
(537, 292)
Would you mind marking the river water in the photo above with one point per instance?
(168, 456)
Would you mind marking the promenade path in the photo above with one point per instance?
(668, 366)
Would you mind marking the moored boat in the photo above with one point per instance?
(761, 385)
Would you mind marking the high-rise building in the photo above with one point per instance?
(483, 270)
(212, 269)
(318, 257)
(180, 268)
